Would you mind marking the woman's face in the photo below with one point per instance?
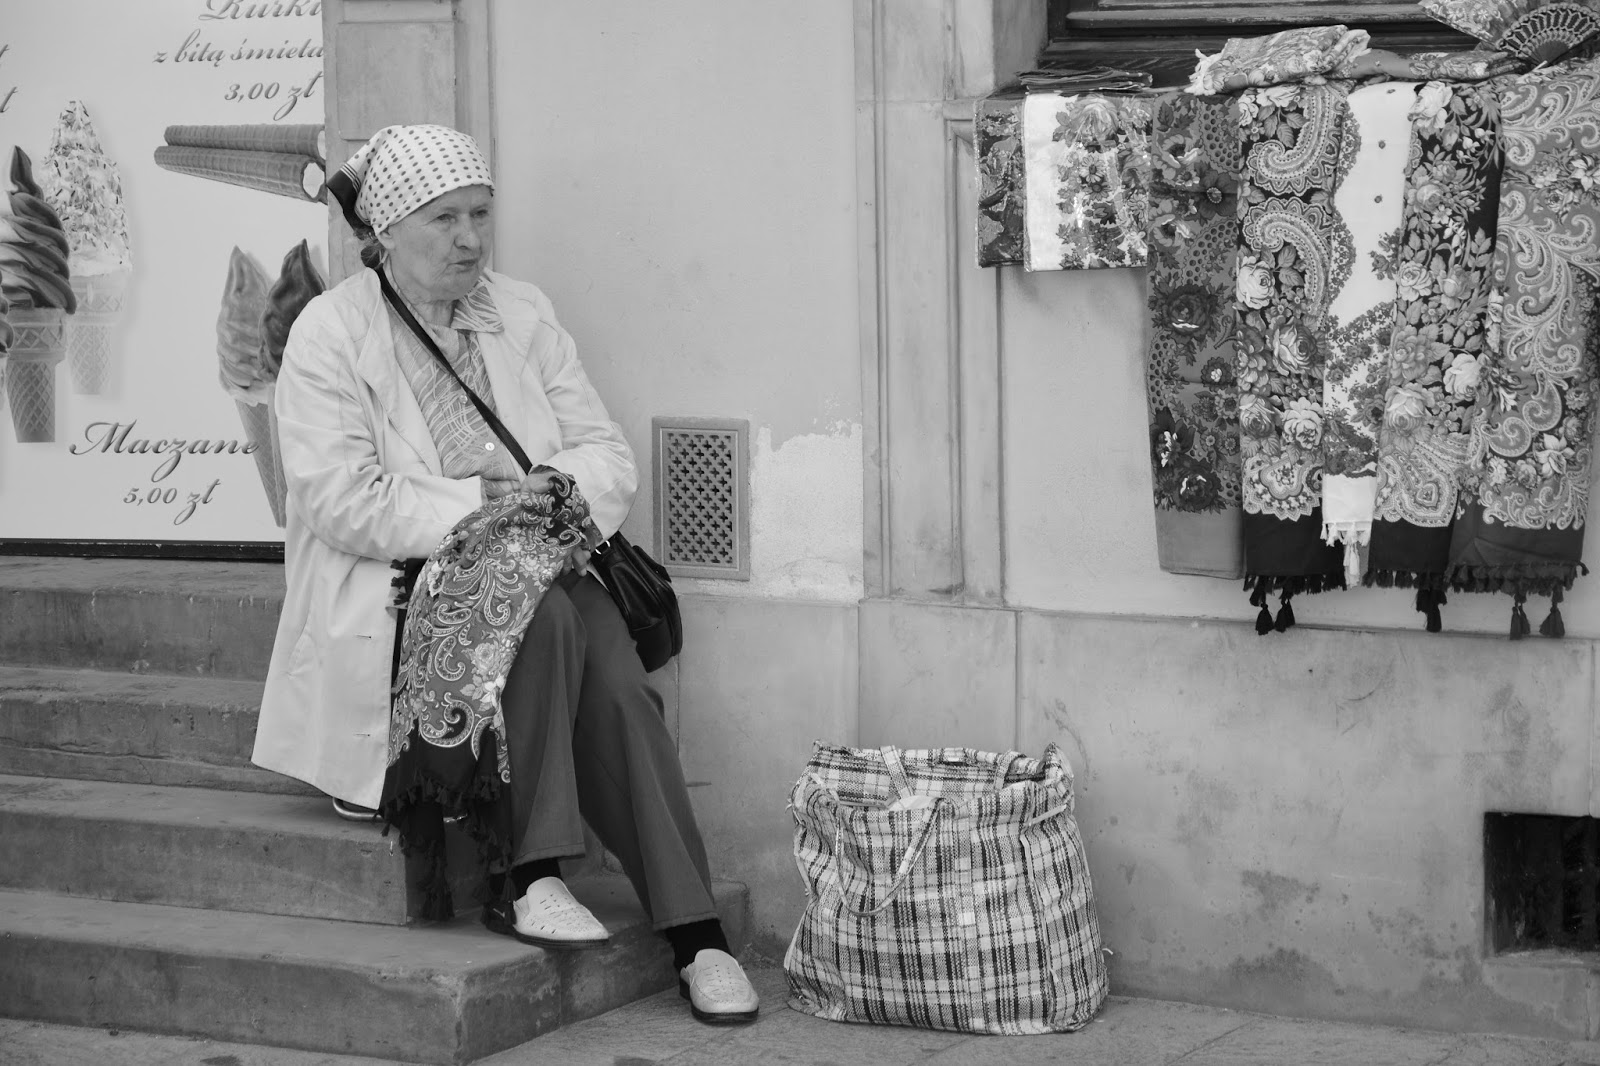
(438, 251)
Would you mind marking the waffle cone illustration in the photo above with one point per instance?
(295, 176)
(31, 372)
(257, 421)
(100, 299)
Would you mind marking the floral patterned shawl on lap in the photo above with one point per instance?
(1368, 203)
(1287, 269)
(464, 625)
(1443, 269)
(1194, 409)
(1521, 530)
(1086, 163)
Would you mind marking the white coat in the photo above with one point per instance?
(365, 488)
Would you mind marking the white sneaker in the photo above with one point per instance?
(549, 917)
(717, 989)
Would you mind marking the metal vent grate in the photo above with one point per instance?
(702, 514)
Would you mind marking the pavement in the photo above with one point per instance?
(659, 1031)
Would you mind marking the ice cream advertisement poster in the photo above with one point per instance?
(162, 223)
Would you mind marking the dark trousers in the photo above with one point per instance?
(587, 742)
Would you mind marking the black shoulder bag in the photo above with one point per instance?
(640, 586)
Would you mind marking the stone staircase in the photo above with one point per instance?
(151, 879)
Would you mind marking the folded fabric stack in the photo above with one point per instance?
(1374, 296)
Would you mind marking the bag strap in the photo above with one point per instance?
(1003, 765)
(903, 869)
(897, 769)
(428, 342)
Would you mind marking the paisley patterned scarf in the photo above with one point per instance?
(1288, 267)
(1446, 249)
(471, 605)
(1521, 530)
(1086, 162)
(997, 146)
(1194, 409)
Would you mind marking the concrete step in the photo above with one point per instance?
(43, 1044)
(192, 847)
(158, 729)
(140, 615)
(447, 993)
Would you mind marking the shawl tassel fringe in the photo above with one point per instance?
(1430, 588)
(1553, 626)
(1261, 586)
(1535, 579)
(415, 801)
(1522, 580)
(1519, 617)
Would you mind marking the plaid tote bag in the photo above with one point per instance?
(945, 889)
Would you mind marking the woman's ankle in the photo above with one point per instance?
(526, 873)
(691, 938)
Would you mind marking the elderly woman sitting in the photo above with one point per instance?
(385, 454)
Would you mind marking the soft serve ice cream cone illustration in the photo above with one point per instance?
(82, 186)
(299, 282)
(33, 278)
(252, 330)
(240, 367)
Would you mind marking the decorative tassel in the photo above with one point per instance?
(1258, 598)
(1355, 563)
(1285, 614)
(1428, 602)
(1552, 625)
(1519, 618)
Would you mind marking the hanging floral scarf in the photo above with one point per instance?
(1422, 66)
(1436, 356)
(1194, 408)
(1368, 203)
(1521, 530)
(1086, 162)
(1278, 59)
(1287, 268)
(997, 146)
(468, 611)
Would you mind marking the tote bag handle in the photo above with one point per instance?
(902, 873)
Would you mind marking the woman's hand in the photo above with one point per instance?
(536, 481)
(496, 487)
(578, 560)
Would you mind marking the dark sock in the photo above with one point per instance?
(522, 876)
(526, 874)
(692, 938)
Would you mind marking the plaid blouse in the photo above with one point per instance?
(467, 446)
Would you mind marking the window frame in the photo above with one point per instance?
(1162, 36)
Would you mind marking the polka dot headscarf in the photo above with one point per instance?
(403, 167)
